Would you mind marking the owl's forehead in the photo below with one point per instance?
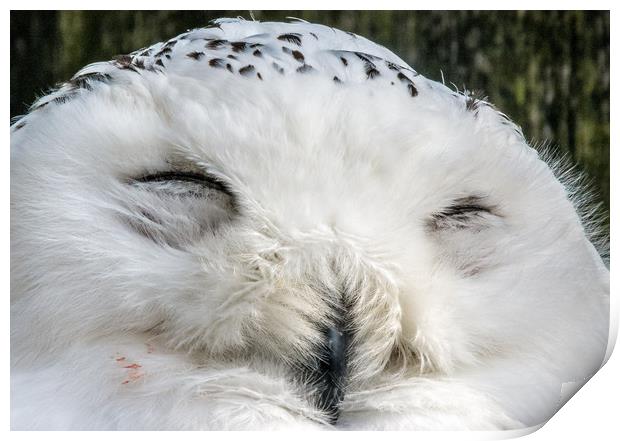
(303, 144)
(234, 52)
(256, 51)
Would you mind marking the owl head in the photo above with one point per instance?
(298, 199)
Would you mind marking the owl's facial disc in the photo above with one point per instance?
(187, 204)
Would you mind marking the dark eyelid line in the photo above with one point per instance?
(470, 204)
(198, 178)
(464, 208)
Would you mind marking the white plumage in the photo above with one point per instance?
(276, 225)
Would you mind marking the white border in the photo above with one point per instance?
(590, 414)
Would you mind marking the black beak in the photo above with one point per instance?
(328, 375)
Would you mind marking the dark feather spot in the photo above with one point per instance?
(239, 46)
(63, 98)
(337, 80)
(305, 68)
(19, 125)
(138, 62)
(159, 63)
(215, 44)
(298, 56)
(98, 76)
(257, 53)
(371, 71)
(164, 51)
(83, 81)
(291, 38)
(294, 53)
(314, 35)
(344, 61)
(216, 62)
(229, 67)
(124, 62)
(247, 70)
(278, 68)
(362, 57)
(196, 55)
(170, 43)
(123, 59)
(392, 66)
(410, 86)
(232, 57)
(260, 77)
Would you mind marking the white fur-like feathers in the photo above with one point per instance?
(191, 223)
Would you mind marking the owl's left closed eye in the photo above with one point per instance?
(177, 208)
(472, 212)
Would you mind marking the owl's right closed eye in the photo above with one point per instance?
(282, 225)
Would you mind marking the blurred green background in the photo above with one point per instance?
(548, 70)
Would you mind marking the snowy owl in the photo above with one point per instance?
(283, 225)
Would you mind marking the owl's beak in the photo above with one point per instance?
(328, 375)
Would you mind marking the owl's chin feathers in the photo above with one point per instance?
(110, 383)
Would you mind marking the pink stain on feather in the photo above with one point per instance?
(133, 366)
(134, 372)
